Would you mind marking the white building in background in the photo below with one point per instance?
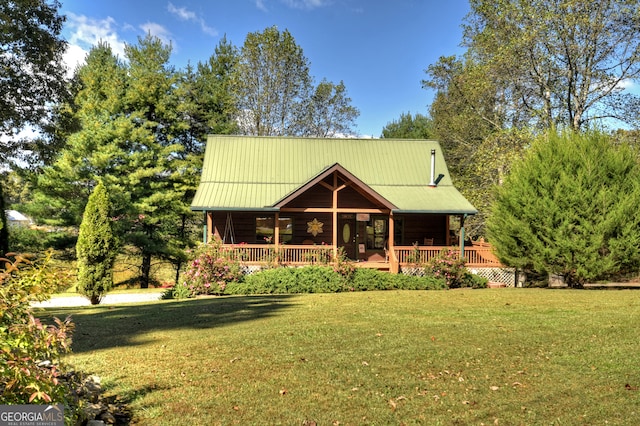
(15, 218)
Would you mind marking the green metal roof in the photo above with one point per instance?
(255, 173)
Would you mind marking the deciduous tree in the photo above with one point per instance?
(329, 112)
(272, 84)
(32, 73)
(566, 63)
(409, 126)
(479, 136)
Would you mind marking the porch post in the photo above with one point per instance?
(276, 230)
(335, 216)
(205, 227)
(462, 218)
(210, 230)
(335, 234)
(393, 265)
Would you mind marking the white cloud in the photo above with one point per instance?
(182, 13)
(260, 5)
(306, 4)
(187, 15)
(208, 30)
(87, 32)
(627, 84)
(157, 30)
(73, 57)
(296, 4)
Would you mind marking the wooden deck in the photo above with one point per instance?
(477, 256)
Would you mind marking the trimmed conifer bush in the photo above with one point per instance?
(96, 247)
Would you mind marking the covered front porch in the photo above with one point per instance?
(363, 237)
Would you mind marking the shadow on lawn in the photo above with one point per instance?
(101, 327)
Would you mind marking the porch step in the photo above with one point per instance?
(380, 266)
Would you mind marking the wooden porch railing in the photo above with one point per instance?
(285, 254)
(477, 255)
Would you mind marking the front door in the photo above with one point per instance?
(347, 234)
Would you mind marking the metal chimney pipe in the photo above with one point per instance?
(433, 168)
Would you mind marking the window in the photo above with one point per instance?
(286, 229)
(265, 229)
(376, 232)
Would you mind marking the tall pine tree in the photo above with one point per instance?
(155, 162)
(133, 138)
(97, 149)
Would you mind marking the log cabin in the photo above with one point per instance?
(376, 201)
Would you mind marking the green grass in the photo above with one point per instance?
(125, 274)
(508, 357)
(73, 291)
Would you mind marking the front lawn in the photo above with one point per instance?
(508, 356)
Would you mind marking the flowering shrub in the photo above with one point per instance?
(448, 266)
(343, 265)
(30, 351)
(414, 257)
(211, 270)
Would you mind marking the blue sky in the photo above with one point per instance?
(379, 48)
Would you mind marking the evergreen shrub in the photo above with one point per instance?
(308, 279)
(409, 282)
(324, 279)
(370, 279)
(27, 240)
(570, 208)
(96, 247)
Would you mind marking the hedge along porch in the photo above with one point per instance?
(300, 196)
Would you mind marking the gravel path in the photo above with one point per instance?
(109, 299)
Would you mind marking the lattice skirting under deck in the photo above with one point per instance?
(504, 276)
(497, 275)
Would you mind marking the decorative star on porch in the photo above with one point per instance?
(314, 227)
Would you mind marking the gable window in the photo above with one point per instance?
(265, 229)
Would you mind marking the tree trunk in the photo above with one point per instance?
(146, 270)
(178, 267)
(182, 233)
(4, 231)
